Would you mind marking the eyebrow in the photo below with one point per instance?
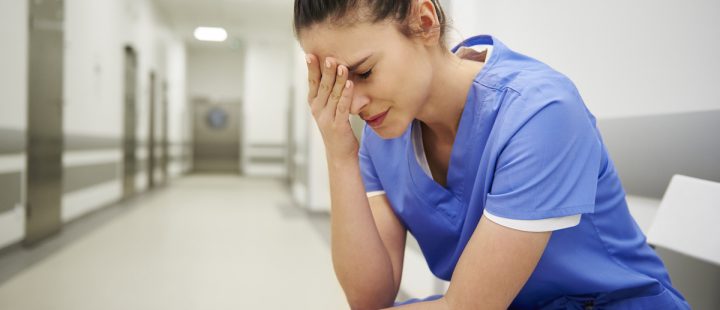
(353, 67)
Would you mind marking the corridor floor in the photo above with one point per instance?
(202, 242)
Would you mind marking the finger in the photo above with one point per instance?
(313, 75)
(326, 84)
(343, 107)
(342, 74)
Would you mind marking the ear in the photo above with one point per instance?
(427, 22)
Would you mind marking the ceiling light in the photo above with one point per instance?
(210, 34)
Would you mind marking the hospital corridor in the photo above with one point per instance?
(165, 154)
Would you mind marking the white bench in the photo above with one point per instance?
(687, 219)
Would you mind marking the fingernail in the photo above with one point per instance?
(348, 84)
(327, 63)
(340, 71)
(308, 59)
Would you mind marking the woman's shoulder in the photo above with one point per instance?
(537, 79)
(540, 93)
(532, 83)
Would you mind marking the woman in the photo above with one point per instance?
(494, 164)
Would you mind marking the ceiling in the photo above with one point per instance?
(265, 21)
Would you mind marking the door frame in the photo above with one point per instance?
(44, 120)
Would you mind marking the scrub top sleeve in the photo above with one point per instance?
(367, 168)
(549, 167)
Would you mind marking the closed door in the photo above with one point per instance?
(45, 136)
(151, 160)
(130, 123)
(164, 149)
(216, 136)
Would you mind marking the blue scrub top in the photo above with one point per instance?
(527, 148)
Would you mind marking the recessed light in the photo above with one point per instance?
(215, 34)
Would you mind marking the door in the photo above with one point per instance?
(130, 123)
(45, 136)
(216, 136)
(151, 136)
(164, 156)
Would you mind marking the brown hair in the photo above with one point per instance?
(348, 12)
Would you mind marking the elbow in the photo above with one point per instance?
(368, 305)
(373, 291)
(369, 301)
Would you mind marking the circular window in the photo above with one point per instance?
(217, 118)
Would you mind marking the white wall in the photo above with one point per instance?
(300, 121)
(179, 121)
(266, 92)
(265, 104)
(93, 68)
(92, 81)
(12, 222)
(13, 61)
(95, 33)
(626, 57)
(13, 105)
(217, 73)
(311, 189)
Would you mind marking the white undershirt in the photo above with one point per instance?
(549, 224)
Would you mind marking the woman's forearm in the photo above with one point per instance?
(361, 262)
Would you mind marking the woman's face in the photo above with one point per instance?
(390, 71)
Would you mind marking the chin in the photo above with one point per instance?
(390, 131)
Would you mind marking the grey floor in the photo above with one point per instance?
(203, 242)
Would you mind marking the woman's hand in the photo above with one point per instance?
(329, 96)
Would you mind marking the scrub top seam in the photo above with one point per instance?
(436, 209)
(506, 142)
(612, 257)
(482, 82)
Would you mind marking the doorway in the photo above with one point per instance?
(151, 135)
(164, 147)
(216, 136)
(130, 123)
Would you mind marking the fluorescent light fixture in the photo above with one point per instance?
(216, 34)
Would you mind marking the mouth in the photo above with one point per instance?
(377, 119)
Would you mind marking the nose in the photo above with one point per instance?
(359, 101)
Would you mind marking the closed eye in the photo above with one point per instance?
(366, 75)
